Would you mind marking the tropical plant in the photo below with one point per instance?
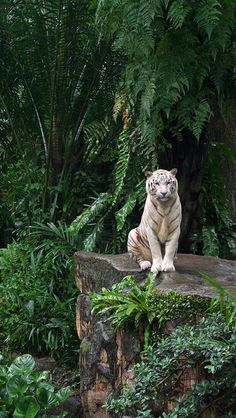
(125, 301)
(224, 301)
(209, 347)
(62, 66)
(129, 302)
(178, 73)
(184, 50)
(27, 392)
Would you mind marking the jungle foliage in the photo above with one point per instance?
(91, 94)
(27, 392)
(202, 344)
(210, 346)
(111, 82)
(37, 299)
(129, 302)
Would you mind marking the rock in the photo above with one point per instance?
(94, 271)
(106, 358)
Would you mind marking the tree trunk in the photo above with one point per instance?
(188, 156)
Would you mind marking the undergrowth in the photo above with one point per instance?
(203, 344)
(37, 300)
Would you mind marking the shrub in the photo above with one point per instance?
(212, 346)
(37, 302)
(26, 392)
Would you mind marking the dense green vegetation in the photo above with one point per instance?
(202, 346)
(92, 94)
(128, 301)
(208, 347)
(83, 116)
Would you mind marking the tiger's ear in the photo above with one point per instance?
(173, 171)
(148, 174)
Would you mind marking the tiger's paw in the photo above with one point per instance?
(167, 266)
(144, 265)
(156, 268)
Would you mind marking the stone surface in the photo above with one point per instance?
(94, 271)
(106, 359)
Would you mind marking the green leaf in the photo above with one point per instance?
(16, 385)
(122, 214)
(26, 407)
(89, 214)
(23, 364)
(55, 399)
(208, 15)
(130, 309)
(42, 395)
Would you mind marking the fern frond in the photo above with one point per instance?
(146, 12)
(208, 15)
(95, 136)
(193, 114)
(122, 164)
(201, 115)
(89, 243)
(89, 214)
(223, 31)
(148, 96)
(122, 213)
(178, 12)
(121, 100)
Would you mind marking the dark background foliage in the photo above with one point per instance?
(91, 95)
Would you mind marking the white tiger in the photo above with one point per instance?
(160, 223)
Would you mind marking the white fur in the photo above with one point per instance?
(160, 224)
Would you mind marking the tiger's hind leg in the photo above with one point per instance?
(139, 249)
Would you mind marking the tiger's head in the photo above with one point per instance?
(162, 184)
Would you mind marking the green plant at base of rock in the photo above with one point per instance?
(210, 347)
(26, 392)
(128, 301)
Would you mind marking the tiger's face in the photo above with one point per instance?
(162, 184)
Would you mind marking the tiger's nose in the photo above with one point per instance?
(163, 193)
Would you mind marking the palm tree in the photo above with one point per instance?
(54, 76)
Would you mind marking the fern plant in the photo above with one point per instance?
(129, 302)
(174, 50)
(179, 71)
(125, 301)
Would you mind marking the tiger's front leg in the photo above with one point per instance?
(170, 251)
(155, 247)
